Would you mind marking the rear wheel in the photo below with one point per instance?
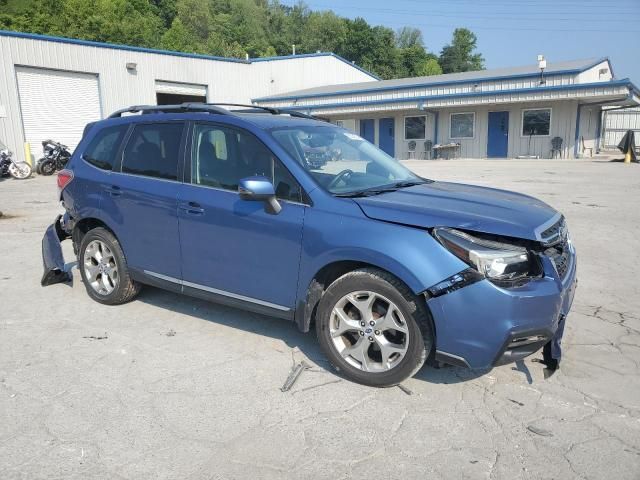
(373, 329)
(104, 269)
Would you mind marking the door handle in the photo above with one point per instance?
(114, 190)
(191, 208)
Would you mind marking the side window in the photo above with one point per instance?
(221, 157)
(153, 150)
(102, 150)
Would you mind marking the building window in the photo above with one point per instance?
(462, 125)
(415, 128)
(536, 122)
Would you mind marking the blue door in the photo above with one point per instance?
(387, 136)
(498, 135)
(367, 130)
(140, 200)
(233, 248)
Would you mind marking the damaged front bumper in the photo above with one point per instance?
(483, 325)
(52, 257)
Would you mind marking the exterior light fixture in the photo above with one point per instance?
(132, 67)
(542, 64)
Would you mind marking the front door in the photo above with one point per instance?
(367, 130)
(387, 135)
(498, 135)
(233, 248)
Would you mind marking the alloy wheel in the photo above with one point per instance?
(100, 267)
(369, 331)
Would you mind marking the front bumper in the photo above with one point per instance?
(483, 325)
(52, 258)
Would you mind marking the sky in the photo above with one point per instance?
(514, 32)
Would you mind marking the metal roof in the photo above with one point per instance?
(557, 68)
(116, 46)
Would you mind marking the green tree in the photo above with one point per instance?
(459, 56)
(407, 37)
(429, 67)
(325, 32)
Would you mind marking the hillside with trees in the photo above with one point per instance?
(236, 28)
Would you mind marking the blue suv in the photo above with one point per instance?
(293, 217)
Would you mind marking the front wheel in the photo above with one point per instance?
(373, 328)
(20, 170)
(47, 167)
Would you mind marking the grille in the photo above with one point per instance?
(554, 233)
(560, 256)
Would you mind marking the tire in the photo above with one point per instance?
(47, 167)
(107, 281)
(401, 325)
(20, 170)
(38, 164)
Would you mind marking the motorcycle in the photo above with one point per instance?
(8, 166)
(56, 156)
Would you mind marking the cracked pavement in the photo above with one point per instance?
(174, 387)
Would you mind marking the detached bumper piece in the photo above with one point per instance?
(522, 345)
(52, 258)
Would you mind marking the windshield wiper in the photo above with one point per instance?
(393, 187)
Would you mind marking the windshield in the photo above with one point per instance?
(342, 162)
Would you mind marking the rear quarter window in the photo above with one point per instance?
(102, 150)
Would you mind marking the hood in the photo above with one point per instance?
(469, 207)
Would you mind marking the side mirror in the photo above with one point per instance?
(260, 189)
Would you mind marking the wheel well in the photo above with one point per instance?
(82, 227)
(320, 282)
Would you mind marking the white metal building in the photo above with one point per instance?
(616, 123)
(50, 87)
(499, 113)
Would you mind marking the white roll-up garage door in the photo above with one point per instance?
(56, 105)
(181, 88)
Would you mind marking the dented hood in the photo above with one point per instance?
(443, 204)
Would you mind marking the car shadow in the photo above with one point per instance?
(283, 330)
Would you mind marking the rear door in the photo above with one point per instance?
(232, 248)
(141, 198)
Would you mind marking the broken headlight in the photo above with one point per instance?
(502, 263)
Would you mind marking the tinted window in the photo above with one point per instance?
(153, 150)
(103, 149)
(221, 157)
(536, 122)
(415, 128)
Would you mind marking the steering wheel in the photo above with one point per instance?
(344, 173)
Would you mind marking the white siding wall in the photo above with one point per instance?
(563, 121)
(593, 74)
(616, 123)
(225, 81)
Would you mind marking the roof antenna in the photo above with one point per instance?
(542, 64)
(293, 48)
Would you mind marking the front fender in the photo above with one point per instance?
(409, 253)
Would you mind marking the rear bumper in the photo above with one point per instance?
(52, 257)
(483, 325)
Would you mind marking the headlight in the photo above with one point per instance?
(502, 263)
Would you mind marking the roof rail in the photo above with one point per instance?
(208, 108)
(184, 107)
(271, 110)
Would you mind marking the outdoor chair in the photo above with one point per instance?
(556, 147)
(428, 149)
(411, 149)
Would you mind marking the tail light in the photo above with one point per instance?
(64, 178)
